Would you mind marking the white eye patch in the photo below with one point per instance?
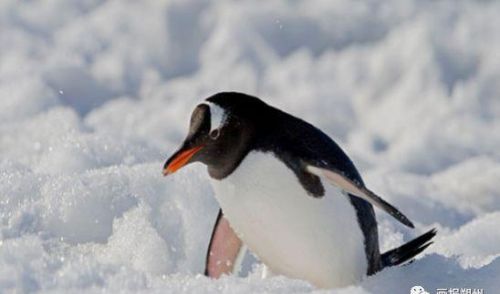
(217, 115)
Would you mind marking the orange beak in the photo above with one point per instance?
(179, 159)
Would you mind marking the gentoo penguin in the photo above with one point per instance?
(288, 192)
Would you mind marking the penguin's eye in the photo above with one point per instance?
(214, 134)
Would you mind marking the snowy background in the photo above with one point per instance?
(95, 95)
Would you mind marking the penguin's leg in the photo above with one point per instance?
(225, 251)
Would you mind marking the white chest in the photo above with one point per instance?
(316, 239)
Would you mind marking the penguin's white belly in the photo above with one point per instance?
(293, 233)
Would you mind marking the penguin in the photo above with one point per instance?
(288, 193)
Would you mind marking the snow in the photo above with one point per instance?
(95, 95)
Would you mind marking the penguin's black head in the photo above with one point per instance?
(221, 132)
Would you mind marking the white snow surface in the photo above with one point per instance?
(95, 95)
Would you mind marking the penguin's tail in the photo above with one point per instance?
(407, 251)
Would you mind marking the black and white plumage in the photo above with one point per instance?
(288, 192)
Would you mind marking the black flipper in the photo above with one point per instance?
(407, 251)
(357, 188)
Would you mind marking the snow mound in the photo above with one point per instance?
(94, 95)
